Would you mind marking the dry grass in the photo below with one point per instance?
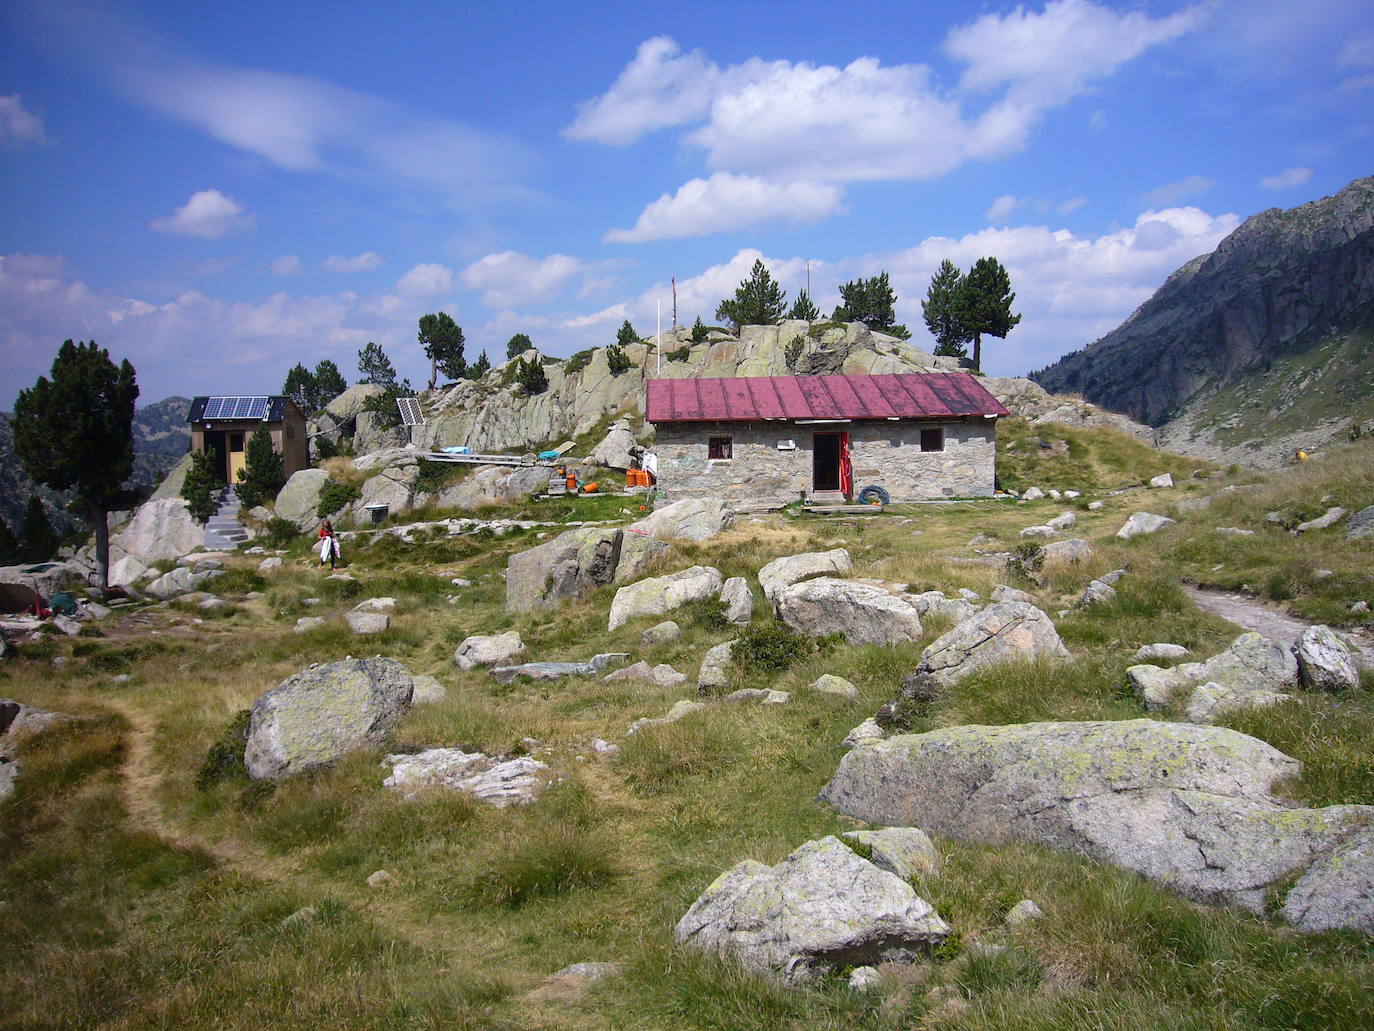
(137, 900)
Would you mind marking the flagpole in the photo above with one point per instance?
(659, 371)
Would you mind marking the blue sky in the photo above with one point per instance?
(219, 191)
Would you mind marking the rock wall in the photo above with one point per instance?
(886, 454)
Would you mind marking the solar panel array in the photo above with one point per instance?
(236, 408)
(410, 411)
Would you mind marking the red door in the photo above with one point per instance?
(846, 469)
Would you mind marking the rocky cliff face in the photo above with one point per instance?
(494, 414)
(1283, 284)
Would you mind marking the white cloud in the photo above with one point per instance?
(1071, 205)
(1172, 193)
(509, 279)
(18, 125)
(792, 122)
(614, 313)
(208, 214)
(1001, 209)
(364, 262)
(728, 202)
(425, 280)
(1287, 179)
(1050, 56)
(661, 87)
(1098, 120)
(286, 265)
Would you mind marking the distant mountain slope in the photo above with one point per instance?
(161, 437)
(1256, 346)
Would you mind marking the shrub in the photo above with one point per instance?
(617, 360)
(681, 354)
(793, 352)
(770, 648)
(279, 532)
(531, 376)
(579, 361)
(335, 496)
(224, 760)
(263, 474)
(699, 331)
(200, 481)
(707, 613)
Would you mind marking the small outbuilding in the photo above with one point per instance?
(221, 426)
(917, 435)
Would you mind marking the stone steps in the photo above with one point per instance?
(223, 531)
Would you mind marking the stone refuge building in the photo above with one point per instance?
(222, 425)
(918, 435)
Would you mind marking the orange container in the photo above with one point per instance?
(590, 488)
(571, 482)
(636, 478)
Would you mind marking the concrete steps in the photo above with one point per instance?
(223, 531)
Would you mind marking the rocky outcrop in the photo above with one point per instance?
(321, 714)
(1190, 807)
(1003, 632)
(658, 595)
(864, 613)
(494, 485)
(613, 451)
(1141, 523)
(557, 670)
(692, 519)
(823, 908)
(1252, 663)
(1325, 662)
(500, 782)
(1275, 287)
(488, 650)
(574, 564)
(738, 600)
(161, 529)
(791, 569)
(299, 498)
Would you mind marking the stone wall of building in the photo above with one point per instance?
(887, 454)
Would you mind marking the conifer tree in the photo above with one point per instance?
(9, 545)
(941, 311)
(300, 387)
(626, 335)
(75, 432)
(531, 376)
(442, 339)
(699, 331)
(758, 300)
(38, 540)
(802, 308)
(479, 368)
(329, 384)
(517, 345)
(985, 304)
(262, 474)
(198, 487)
(870, 301)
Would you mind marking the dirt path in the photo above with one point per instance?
(388, 909)
(1250, 614)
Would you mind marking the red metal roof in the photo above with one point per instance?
(912, 395)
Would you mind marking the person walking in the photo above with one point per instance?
(329, 545)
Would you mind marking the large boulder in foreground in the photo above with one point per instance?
(299, 498)
(693, 519)
(160, 529)
(792, 569)
(1004, 631)
(1190, 807)
(657, 595)
(822, 908)
(321, 714)
(574, 564)
(865, 613)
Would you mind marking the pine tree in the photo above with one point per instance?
(626, 335)
(199, 486)
(75, 431)
(329, 384)
(699, 331)
(517, 345)
(985, 304)
(9, 545)
(872, 302)
(374, 366)
(616, 359)
(758, 300)
(38, 540)
(531, 376)
(300, 387)
(941, 311)
(802, 308)
(479, 368)
(262, 474)
(442, 339)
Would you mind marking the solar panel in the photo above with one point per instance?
(236, 408)
(410, 411)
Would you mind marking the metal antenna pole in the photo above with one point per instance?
(659, 368)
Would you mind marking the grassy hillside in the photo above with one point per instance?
(143, 888)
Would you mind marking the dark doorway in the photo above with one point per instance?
(215, 447)
(826, 450)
